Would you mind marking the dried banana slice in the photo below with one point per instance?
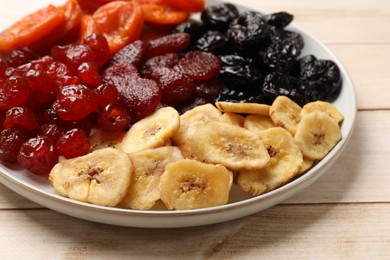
(285, 113)
(323, 106)
(234, 147)
(243, 108)
(190, 184)
(257, 123)
(148, 165)
(306, 165)
(101, 177)
(233, 119)
(152, 131)
(317, 134)
(286, 160)
(199, 115)
(101, 139)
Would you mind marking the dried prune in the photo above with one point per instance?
(241, 96)
(194, 28)
(247, 30)
(218, 17)
(242, 77)
(212, 41)
(280, 19)
(209, 90)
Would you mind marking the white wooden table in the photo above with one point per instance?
(344, 215)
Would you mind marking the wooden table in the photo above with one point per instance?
(344, 215)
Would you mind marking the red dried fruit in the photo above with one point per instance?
(168, 60)
(88, 72)
(99, 45)
(175, 86)
(75, 102)
(73, 143)
(200, 65)
(13, 92)
(114, 117)
(172, 43)
(20, 117)
(57, 69)
(38, 155)
(10, 141)
(63, 81)
(3, 67)
(73, 55)
(133, 53)
(19, 57)
(41, 87)
(52, 131)
(139, 96)
(84, 124)
(105, 94)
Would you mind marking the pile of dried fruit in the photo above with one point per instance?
(112, 66)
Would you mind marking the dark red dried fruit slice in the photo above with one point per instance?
(73, 143)
(75, 102)
(38, 155)
(105, 94)
(99, 45)
(13, 92)
(20, 117)
(133, 54)
(168, 60)
(10, 141)
(114, 117)
(172, 43)
(140, 96)
(175, 86)
(200, 65)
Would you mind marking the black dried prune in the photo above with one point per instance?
(324, 72)
(194, 28)
(209, 90)
(280, 19)
(248, 30)
(242, 77)
(235, 59)
(218, 17)
(212, 41)
(282, 54)
(277, 84)
(240, 96)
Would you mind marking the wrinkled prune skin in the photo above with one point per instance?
(235, 59)
(218, 17)
(325, 74)
(280, 19)
(194, 28)
(242, 77)
(241, 96)
(248, 29)
(282, 54)
(212, 41)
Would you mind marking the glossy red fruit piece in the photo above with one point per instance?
(10, 141)
(99, 45)
(168, 60)
(75, 102)
(105, 94)
(73, 143)
(140, 96)
(73, 55)
(13, 92)
(175, 87)
(88, 72)
(58, 69)
(200, 65)
(40, 85)
(133, 53)
(172, 43)
(114, 117)
(52, 131)
(19, 57)
(63, 81)
(84, 124)
(38, 155)
(20, 117)
(3, 67)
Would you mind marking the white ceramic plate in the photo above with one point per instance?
(39, 190)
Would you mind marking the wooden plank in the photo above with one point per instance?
(282, 232)
(358, 175)
(367, 65)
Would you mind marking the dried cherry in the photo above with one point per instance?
(73, 143)
(114, 117)
(10, 141)
(20, 117)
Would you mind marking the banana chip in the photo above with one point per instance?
(285, 113)
(323, 106)
(148, 165)
(233, 119)
(101, 177)
(257, 123)
(190, 184)
(285, 163)
(243, 108)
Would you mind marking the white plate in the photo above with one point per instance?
(39, 190)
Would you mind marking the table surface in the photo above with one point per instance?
(344, 215)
